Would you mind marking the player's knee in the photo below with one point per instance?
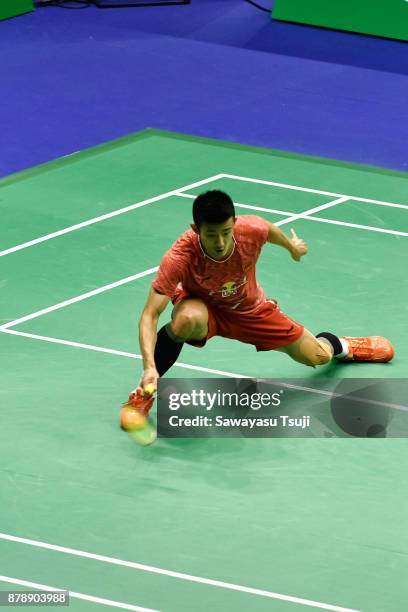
(187, 322)
(317, 358)
(183, 324)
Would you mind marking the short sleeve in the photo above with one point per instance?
(169, 275)
(252, 232)
(259, 229)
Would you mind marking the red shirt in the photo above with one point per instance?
(227, 284)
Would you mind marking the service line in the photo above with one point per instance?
(294, 216)
(309, 190)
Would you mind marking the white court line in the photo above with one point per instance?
(292, 216)
(308, 190)
(99, 600)
(187, 366)
(102, 349)
(114, 213)
(84, 296)
(178, 191)
(78, 298)
(297, 216)
(172, 574)
(370, 228)
(285, 213)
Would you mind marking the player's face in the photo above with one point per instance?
(217, 240)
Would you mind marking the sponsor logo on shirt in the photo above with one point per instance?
(229, 288)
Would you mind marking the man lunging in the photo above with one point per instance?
(209, 275)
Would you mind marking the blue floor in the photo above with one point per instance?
(71, 79)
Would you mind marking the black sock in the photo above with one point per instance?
(334, 341)
(168, 348)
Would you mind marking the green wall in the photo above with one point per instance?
(10, 8)
(388, 18)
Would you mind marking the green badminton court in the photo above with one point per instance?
(206, 524)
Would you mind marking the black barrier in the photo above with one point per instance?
(137, 3)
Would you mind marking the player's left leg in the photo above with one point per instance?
(309, 350)
(268, 328)
(317, 350)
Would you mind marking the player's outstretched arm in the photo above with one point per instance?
(154, 306)
(295, 245)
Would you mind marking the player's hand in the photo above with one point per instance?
(150, 377)
(298, 246)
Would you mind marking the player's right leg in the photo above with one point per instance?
(189, 320)
(189, 323)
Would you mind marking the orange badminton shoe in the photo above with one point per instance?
(133, 415)
(370, 348)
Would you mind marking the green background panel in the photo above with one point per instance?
(388, 18)
(11, 8)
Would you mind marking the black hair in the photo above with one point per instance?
(212, 207)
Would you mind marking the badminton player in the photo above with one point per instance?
(209, 274)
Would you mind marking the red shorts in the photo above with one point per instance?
(267, 328)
